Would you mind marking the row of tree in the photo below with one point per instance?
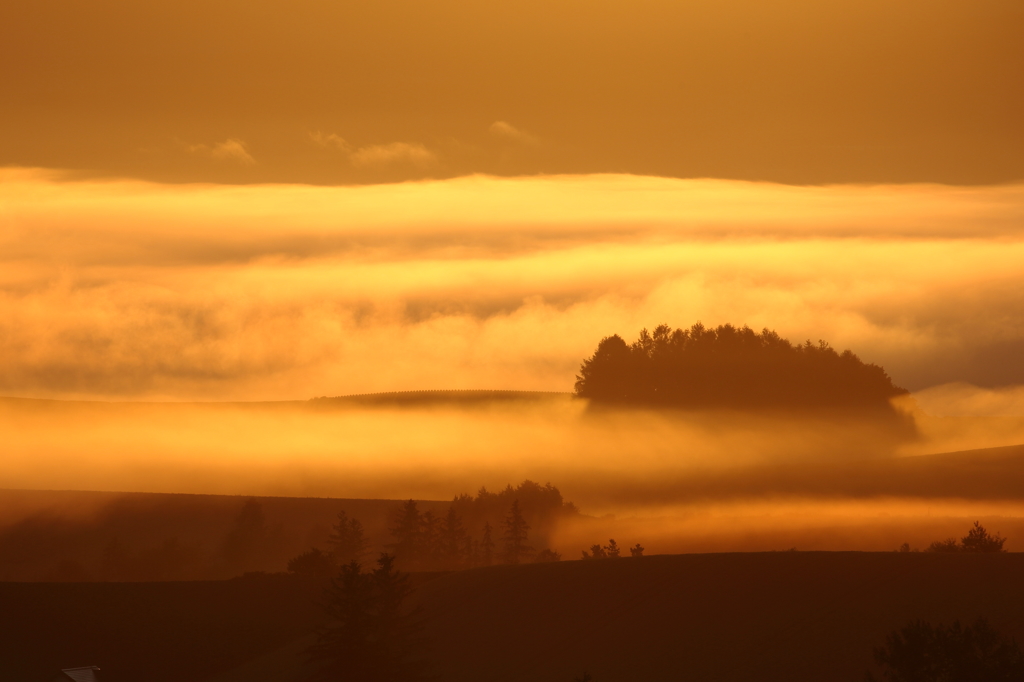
(423, 541)
(729, 366)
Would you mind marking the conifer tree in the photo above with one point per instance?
(452, 540)
(347, 541)
(429, 544)
(368, 635)
(487, 546)
(516, 533)
(406, 532)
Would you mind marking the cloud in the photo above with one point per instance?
(394, 153)
(332, 141)
(231, 149)
(509, 132)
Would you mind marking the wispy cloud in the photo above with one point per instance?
(330, 141)
(231, 149)
(394, 153)
(509, 132)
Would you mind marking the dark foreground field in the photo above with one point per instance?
(758, 616)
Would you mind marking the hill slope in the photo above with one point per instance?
(709, 617)
(758, 616)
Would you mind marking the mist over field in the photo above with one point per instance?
(536, 340)
(128, 291)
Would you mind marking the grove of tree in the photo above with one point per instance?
(730, 367)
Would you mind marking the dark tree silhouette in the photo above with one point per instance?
(612, 549)
(977, 540)
(347, 541)
(487, 547)
(516, 534)
(596, 552)
(636, 550)
(921, 652)
(369, 635)
(728, 366)
(948, 545)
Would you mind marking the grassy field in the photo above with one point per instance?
(742, 616)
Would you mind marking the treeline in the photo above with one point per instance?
(611, 551)
(729, 366)
(474, 531)
(978, 539)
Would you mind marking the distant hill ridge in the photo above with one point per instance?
(443, 396)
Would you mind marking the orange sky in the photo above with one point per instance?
(228, 201)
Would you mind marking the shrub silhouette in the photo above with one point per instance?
(729, 366)
(636, 550)
(546, 556)
(921, 652)
(314, 564)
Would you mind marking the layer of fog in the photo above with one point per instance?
(603, 460)
(139, 291)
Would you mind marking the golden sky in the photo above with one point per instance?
(322, 91)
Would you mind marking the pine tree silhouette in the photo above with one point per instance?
(406, 532)
(516, 534)
(347, 541)
(487, 546)
(452, 540)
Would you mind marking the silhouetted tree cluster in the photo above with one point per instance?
(423, 541)
(480, 530)
(921, 652)
(611, 551)
(369, 635)
(542, 506)
(977, 540)
(727, 366)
